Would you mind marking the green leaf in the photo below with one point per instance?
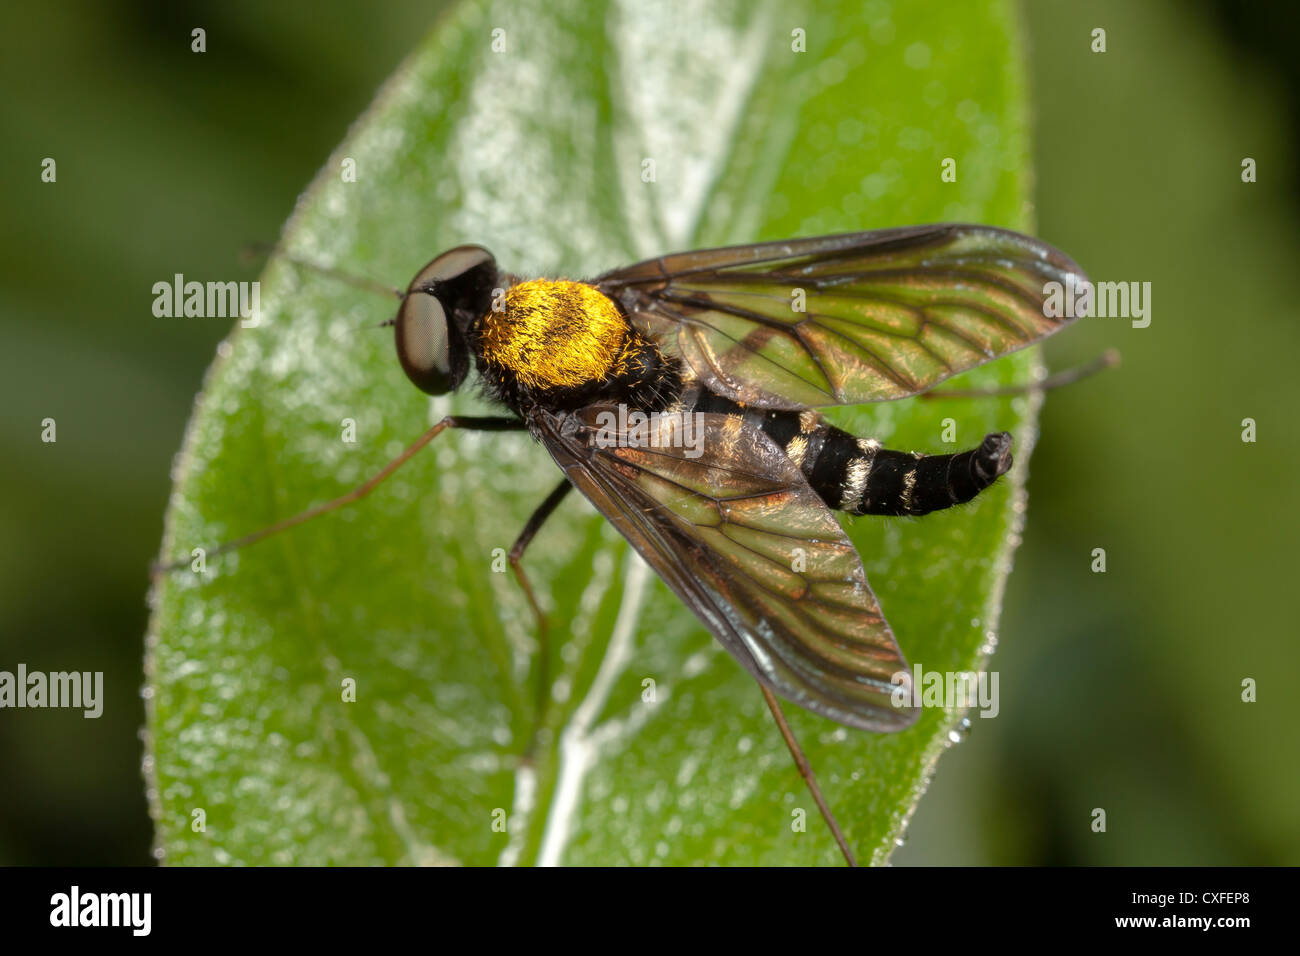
(538, 153)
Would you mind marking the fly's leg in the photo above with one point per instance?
(805, 771)
(253, 249)
(487, 423)
(543, 679)
(1108, 359)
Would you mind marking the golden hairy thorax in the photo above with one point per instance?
(554, 333)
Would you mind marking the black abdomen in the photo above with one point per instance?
(857, 475)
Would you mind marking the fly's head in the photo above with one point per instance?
(432, 325)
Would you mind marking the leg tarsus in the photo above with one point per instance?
(535, 522)
(272, 251)
(1108, 359)
(494, 423)
(806, 771)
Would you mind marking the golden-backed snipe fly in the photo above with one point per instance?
(679, 395)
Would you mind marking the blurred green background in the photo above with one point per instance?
(1118, 690)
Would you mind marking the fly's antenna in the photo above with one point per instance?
(387, 323)
(254, 250)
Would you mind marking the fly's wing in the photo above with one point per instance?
(841, 320)
(730, 524)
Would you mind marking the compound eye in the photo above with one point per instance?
(423, 344)
(452, 266)
(453, 288)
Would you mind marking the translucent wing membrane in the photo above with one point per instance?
(840, 320)
(730, 524)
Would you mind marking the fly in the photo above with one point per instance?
(680, 395)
